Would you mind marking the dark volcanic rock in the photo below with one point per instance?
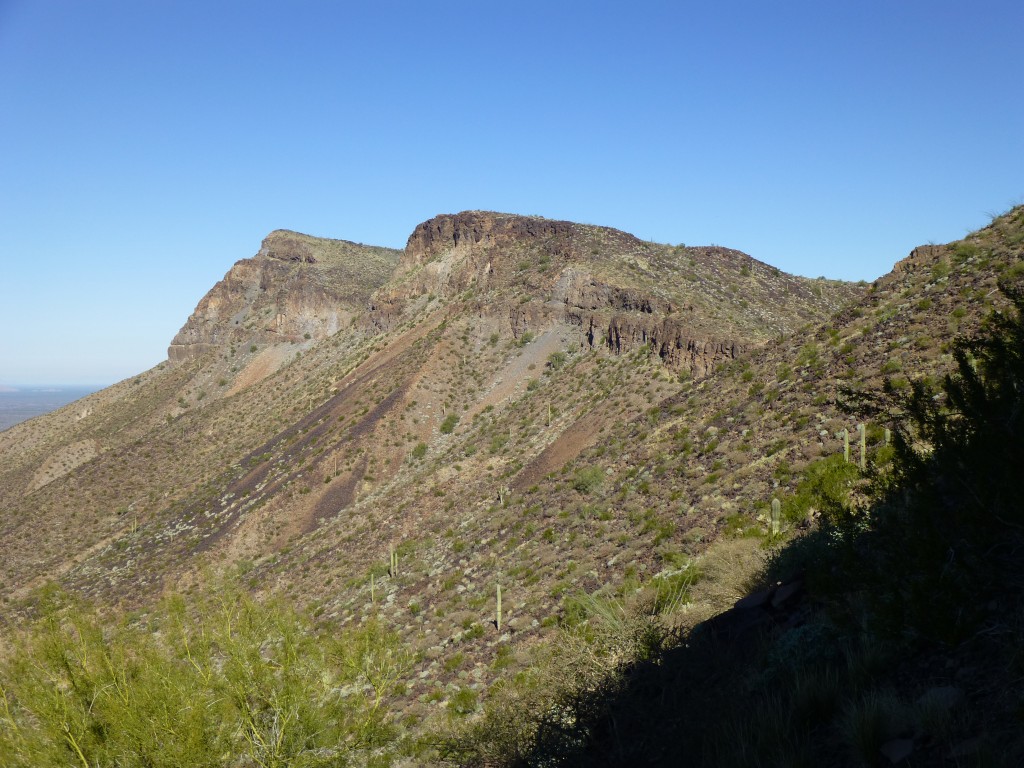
(448, 231)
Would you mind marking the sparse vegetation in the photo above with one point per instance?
(621, 496)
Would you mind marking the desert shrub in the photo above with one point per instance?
(966, 250)
(194, 682)
(462, 702)
(825, 488)
(448, 425)
(588, 479)
(543, 715)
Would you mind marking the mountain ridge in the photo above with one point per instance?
(526, 412)
(238, 339)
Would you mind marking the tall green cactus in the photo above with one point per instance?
(863, 446)
(776, 528)
(846, 446)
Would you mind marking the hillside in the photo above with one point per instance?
(554, 408)
(881, 624)
(289, 341)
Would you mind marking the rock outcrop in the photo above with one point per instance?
(692, 307)
(922, 257)
(470, 228)
(296, 288)
(686, 305)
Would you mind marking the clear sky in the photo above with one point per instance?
(148, 145)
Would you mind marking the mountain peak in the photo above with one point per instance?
(286, 245)
(490, 228)
(296, 288)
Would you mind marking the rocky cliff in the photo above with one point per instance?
(297, 287)
(692, 307)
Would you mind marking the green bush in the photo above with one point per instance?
(448, 425)
(824, 488)
(588, 479)
(463, 702)
(192, 685)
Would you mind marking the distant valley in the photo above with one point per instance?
(18, 404)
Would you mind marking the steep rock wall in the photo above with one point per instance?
(296, 288)
(261, 300)
(536, 273)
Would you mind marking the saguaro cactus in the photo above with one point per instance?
(863, 447)
(497, 614)
(846, 446)
(776, 517)
(393, 567)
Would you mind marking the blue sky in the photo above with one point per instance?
(149, 145)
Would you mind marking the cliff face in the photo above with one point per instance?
(296, 288)
(692, 307)
(473, 228)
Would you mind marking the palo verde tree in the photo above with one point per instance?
(220, 680)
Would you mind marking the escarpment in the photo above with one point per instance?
(295, 288)
(474, 228)
(494, 413)
(692, 307)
